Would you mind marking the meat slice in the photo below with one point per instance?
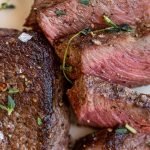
(98, 103)
(104, 140)
(31, 21)
(79, 16)
(32, 68)
(119, 57)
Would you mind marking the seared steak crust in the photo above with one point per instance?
(98, 103)
(32, 68)
(118, 57)
(79, 16)
(104, 140)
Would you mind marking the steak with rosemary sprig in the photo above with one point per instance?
(98, 103)
(116, 140)
(117, 57)
(81, 14)
(29, 74)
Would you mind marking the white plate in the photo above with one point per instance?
(15, 19)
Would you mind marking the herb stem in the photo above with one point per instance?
(65, 56)
(103, 30)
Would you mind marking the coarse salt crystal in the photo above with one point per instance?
(24, 37)
(1, 136)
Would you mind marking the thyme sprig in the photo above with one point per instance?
(65, 56)
(113, 27)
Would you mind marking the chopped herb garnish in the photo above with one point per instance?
(85, 2)
(6, 6)
(125, 28)
(60, 12)
(109, 22)
(131, 129)
(121, 131)
(13, 90)
(10, 105)
(39, 121)
(86, 31)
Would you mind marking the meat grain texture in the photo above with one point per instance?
(79, 16)
(98, 103)
(32, 68)
(104, 140)
(117, 57)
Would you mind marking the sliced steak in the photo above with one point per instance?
(31, 21)
(118, 57)
(32, 68)
(98, 103)
(104, 140)
(78, 16)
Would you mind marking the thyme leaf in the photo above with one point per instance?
(39, 121)
(121, 131)
(10, 105)
(59, 12)
(125, 28)
(109, 22)
(13, 90)
(85, 31)
(85, 2)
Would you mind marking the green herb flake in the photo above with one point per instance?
(109, 22)
(39, 121)
(121, 131)
(6, 6)
(10, 106)
(85, 2)
(131, 129)
(13, 90)
(125, 28)
(59, 12)
(86, 31)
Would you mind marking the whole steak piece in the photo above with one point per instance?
(72, 16)
(98, 103)
(104, 140)
(118, 57)
(40, 118)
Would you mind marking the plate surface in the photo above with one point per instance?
(15, 18)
